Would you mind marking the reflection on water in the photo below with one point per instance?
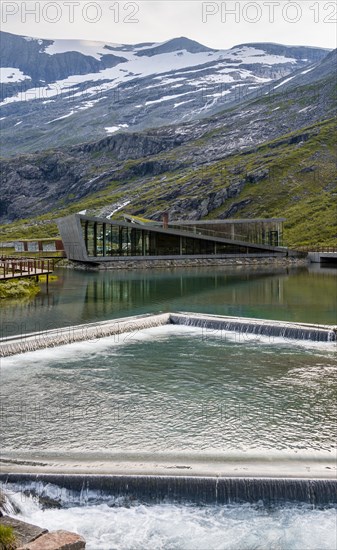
(171, 388)
(308, 295)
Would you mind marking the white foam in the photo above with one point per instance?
(172, 526)
(209, 336)
(87, 347)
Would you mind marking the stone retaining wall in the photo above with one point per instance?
(196, 262)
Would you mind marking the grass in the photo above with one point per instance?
(7, 538)
(43, 278)
(299, 184)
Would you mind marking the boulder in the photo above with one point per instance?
(56, 540)
(24, 532)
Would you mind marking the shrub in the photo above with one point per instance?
(18, 289)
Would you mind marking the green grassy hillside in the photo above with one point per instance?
(292, 177)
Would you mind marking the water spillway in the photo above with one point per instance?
(176, 429)
(79, 333)
(242, 325)
(258, 327)
(91, 489)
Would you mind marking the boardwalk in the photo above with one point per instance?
(12, 268)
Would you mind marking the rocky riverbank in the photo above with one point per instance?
(19, 535)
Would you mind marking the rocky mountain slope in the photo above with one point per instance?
(64, 92)
(270, 156)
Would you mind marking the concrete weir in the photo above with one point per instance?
(243, 325)
(79, 333)
(156, 478)
(258, 327)
(77, 489)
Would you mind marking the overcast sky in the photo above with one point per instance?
(217, 24)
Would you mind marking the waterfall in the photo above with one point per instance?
(7, 506)
(241, 325)
(79, 333)
(259, 327)
(80, 489)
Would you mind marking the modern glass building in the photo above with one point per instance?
(96, 240)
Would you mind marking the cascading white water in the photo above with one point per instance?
(260, 327)
(80, 333)
(64, 490)
(107, 522)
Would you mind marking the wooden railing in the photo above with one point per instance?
(24, 267)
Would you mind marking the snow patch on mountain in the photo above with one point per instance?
(112, 129)
(166, 98)
(182, 103)
(85, 47)
(61, 117)
(140, 67)
(94, 89)
(11, 74)
(253, 55)
(284, 82)
(90, 104)
(308, 70)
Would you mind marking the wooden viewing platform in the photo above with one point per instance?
(12, 268)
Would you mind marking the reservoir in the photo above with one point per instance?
(177, 400)
(306, 294)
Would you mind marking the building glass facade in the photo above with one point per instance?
(113, 239)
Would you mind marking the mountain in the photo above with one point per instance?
(65, 92)
(274, 155)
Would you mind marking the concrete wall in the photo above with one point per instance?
(72, 237)
(320, 257)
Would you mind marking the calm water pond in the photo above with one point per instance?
(172, 389)
(292, 294)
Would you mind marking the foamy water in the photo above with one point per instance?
(184, 527)
(162, 333)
